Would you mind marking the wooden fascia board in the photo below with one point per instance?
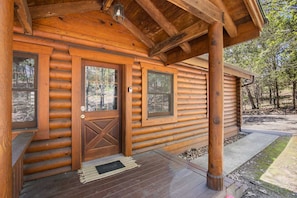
(100, 56)
(106, 4)
(60, 9)
(235, 71)
(192, 32)
(255, 13)
(246, 31)
(228, 69)
(229, 25)
(202, 9)
(32, 48)
(24, 16)
(160, 19)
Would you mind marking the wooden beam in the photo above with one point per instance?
(61, 9)
(215, 177)
(192, 32)
(106, 4)
(76, 112)
(255, 13)
(159, 18)
(23, 15)
(6, 33)
(127, 110)
(202, 9)
(246, 32)
(229, 23)
(143, 38)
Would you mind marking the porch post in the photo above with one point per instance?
(215, 178)
(6, 24)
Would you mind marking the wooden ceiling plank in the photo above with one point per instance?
(159, 18)
(61, 9)
(143, 38)
(136, 32)
(229, 23)
(255, 13)
(106, 4)
(202, 9)
(194, 31)
(24, 16)
(246, 31)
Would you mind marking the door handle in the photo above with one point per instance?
(82, 116)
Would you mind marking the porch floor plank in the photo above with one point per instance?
(160, 175)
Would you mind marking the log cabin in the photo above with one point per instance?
(84, 79)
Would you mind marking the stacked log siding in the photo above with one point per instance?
(192, 112)
(230, 105)
(54, 155)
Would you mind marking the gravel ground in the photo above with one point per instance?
(194, 153)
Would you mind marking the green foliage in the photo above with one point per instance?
(272, 56)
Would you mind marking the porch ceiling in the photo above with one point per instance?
(173, 30)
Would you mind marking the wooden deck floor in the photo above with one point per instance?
(160, 175)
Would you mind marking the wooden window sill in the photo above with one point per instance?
(20, 145)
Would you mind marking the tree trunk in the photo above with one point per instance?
(250, 97)
(277, 94)
(294, 94)
(257, 95)
(270, 95)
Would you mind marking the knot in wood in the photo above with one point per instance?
(213, 42)
(216, 120)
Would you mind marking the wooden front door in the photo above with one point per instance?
(100, 110)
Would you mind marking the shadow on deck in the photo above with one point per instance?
(160, 175)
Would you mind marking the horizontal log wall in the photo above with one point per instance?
(192, 125)
(230, 105)
(52, 156)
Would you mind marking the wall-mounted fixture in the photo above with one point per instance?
(118, 14)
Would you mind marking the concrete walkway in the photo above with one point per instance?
(239, 152)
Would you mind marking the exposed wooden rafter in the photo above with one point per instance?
(106, 4)
(255, 13)
(246, 32)
(23, 15)
(202, 9)
(230, 26)
(143, 38)
(192, 32)
(60, 9)
(159, 18)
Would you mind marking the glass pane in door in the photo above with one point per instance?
(100, 89)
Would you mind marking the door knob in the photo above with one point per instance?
(82, 116)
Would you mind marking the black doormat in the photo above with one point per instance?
(109, 167)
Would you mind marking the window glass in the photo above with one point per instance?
(100, 88)
(24, 90)
(160, 94)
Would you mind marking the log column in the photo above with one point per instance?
(6, 24)
(215, 178)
